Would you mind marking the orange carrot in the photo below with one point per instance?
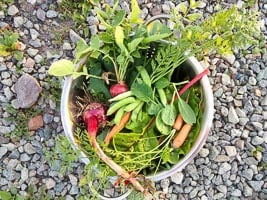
(118, 127)
(178, 122)
(181, 136)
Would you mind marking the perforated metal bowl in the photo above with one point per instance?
(191, 67)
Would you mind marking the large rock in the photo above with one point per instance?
(28, 90)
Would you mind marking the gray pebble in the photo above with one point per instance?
(226, 80)
(3, 151)
(40, 14)
(24, 174)
(232, 116)
(230, 150)
(256, 185)
(18, 21)
(177, 178)
(24, 157)
(50, 183)
(29, 149)
(35, 43)
(12, 10)
(257, 140)
(236, 193)
(222, 189)
(51, 14)
(224, 167)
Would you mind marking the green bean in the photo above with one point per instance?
(114, 107)
(136, 111)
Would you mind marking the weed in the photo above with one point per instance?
(62, 156)
(54, 90)
(20, 118)
(5, 3)
(78, 11)
(9, 44)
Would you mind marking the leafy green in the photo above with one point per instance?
(122, 141)
(61, 67)
(169, 114)
(186, 111)
(162, 127)
(142, 91)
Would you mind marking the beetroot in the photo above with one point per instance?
(94, 117)
(118, 88)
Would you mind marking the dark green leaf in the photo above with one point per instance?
(168, 114)
(119, 17)
(81, 49)
(133, 44)
(161, 126)
(153, 108)
(186, 111)
(142, 91)
(162, 83)
(123, 141)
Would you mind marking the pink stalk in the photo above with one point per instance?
(193, 81)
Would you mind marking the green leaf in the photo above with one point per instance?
(153, 108)
(183, 7)
(144, 75)
(119, 38)
(154, 38)
(61, 68)
(168, 114)
(186, 111)
(142, 91)
(194, 16)
(81, 49)
(133, 44)
(123, 141)
(119, 17)
(136, 12)
(162, 83)
(95, 42)
(3, 50)
(161, 126)
(5, 195)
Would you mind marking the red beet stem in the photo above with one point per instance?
(118, 88)
(193, 81)
(92, 126)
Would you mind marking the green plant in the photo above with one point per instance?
(5, 3)
(54, 90)
(147, 92)
(9, 44)
(62, 156)
(20, 119)
(78, 12)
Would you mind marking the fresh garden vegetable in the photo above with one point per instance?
(181, 136)
(178, 122)
(118, 88)
(118, 127)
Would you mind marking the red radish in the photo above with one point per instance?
(118, 88)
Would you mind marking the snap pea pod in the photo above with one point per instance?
(121, 96)
(119, 115)
(131, 106)
(114, 107)
(136, 111)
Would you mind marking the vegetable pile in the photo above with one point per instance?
(144, 112)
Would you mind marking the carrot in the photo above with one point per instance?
(181, 136)
(118, 127)
(178, 122)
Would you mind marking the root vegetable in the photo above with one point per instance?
(118, 88)
(178, 122)
(181, 136)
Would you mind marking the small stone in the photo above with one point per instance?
(9, 146)
(213, 153)
(248, 191)
(230, 150)
(226, 80)
(156, 10)
(12, 10)
(31, 2)
(18, 21)
(32, 52)
(256, 185)
(236, 193)
(204, 152)
(50, 183)
(232, 116)
(222, 189)
(264, 101)
(24, 157)
(51, 14)
(177, 178)
(164, 184)
(40, 14)
(225, 167)
(74, 37)
(29, 149)
(29, 63)
(229, 58)
(66, 46)
(35, 43)
(73, 179)
(24, 174)
(252, 81)
(247, 173)
(166, 8)
(36, 123)
(3, 140)
(218, 92)
(3, 151)
(34, 34)
(28, 90)
(222, 158)
(257, 140)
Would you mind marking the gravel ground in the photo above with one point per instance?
(232, 163)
